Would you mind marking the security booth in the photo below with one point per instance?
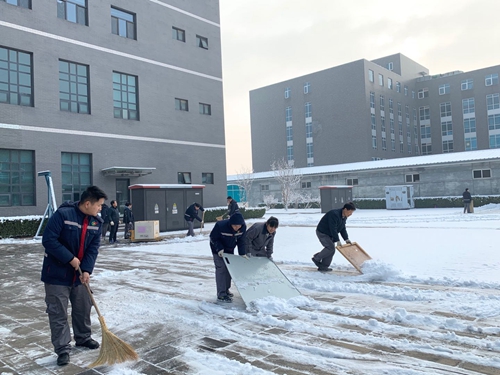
(334, 196)
(166, 203)
(399, 197)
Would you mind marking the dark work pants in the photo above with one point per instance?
(56, 298)
(112, 232)
(222, 276)
(190, 224)
(128, 227)
(104, 229)
(325, 256)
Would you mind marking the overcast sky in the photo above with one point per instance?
(268, 41)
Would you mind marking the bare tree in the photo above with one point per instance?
(270, 201)
(245, 178)
(288, 179)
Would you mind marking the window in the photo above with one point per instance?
(425, 132)
(76, 174)
(202, 42)
(309, 151)
(17, 178)
(289, 154)
(264, 187)
(382, 103)
(205, 109)
(426, 149)
(288, 114)
(183, 177)
(16, 86)
(73, 11)
(423, 93)
(494, 122)
(481, 173)
(307, 87)
(493, 101)
(424, 113)
(406, 90)
(390, 66)
(412, 94)
(470, 143)
(289, 134)
(19, 3)
(125, 96)
(445, 109)
(398, 86)
(393, 145)
(467, 84)
(181, 104)
(412, 177)
(178, 34)
(447, 146)
(308, 110)
(389, 83)
(491, 79)
(373, 121)
(444, 89)
(73, 87)
(309, 132)
(495, 141)
(468, 106)
(123, 23)
(446, 128)
(207, 178)
(374, 142)
(370, 75)
(372, 100)
(351, 181)
(381, 80)
(287, 92)
(382, 123)
(306, 185)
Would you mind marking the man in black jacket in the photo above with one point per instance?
(232, 207)
(190, 215)
(114, 221)
(105, 219)
(466, 199)
(260, 238)
(128, 219)
(328, 229)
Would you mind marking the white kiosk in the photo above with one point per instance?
(399, 197)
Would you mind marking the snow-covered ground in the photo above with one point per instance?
(428, 302)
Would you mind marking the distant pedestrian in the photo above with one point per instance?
(191, 215)
(71, 241)
(128, 219)
(105, 219)
(260, 238)
(327, 231)
(224, 237)
(466, 199)
(114, 221)
(232, 207)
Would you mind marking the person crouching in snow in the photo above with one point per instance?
(224, 237)
(260, 238)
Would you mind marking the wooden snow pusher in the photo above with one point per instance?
(354, 254)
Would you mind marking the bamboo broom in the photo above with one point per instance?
(113, 350)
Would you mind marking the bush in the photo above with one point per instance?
(12, 228)
(431, 202)
(248, 213)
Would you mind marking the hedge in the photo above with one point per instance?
(430, 202)
(248, 213)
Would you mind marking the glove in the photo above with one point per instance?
(221, 253)
(112, 223)
(245, 256)
(348, 241)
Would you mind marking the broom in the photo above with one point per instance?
(113, 350)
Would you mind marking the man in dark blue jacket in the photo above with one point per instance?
(128, 220)
(114, 221)
(224, 237)
(71, 241)
(190, 215)
(232, 207)
(327, 231)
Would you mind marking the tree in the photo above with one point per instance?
(288, 179)
(245, 178)
(270, 201)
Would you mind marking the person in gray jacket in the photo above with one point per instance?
(260, 238)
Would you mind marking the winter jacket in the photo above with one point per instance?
(466, 197)
(61, 240)
(104, 213)
(192, 214)
(232, 208)
(223, 236)
(114, 215)
(332, 223)
(259, 242)
(128, 215)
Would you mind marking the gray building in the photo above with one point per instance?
(373, 110)
(109, 93)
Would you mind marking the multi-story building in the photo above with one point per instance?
(373, 110)
(109, 93)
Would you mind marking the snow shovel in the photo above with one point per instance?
(113, 350)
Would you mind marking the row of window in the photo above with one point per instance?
(17, 176)
(371, 78)
(16, 87)
(467, 84)
(307, 90)
(123, 23)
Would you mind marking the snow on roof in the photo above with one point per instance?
(458, 157)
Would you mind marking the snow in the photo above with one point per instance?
(431, 289)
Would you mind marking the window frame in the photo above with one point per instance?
(22, 69)
(264, 187)
(184, 178)
(202, 42)
(444, 89)
(181, 105)
(125, 23)
(491, 79)
(467, 84)
(481, 173)
(207, 178)
(176, 32)
(75, 170)
(352, 181)
(62, 7)
(130, 93)
(205, 109)
(305, 184)
(412, 177)
(77, 87)
(23, 171)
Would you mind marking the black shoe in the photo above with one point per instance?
(229, 294)
(324, 269)
(317, 263)
(225, 299)
(91, 344)
(63, 359)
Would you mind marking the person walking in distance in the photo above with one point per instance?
(71, 241)
(466, 199)
(327, 231)
(232, 207)
(114, 221)
(260, 238)
(191, 215)
(128, 219)
(105, 219)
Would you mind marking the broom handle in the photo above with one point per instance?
(202, 221)
(90, 294)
